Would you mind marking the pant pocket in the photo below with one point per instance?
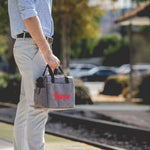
(25, 49)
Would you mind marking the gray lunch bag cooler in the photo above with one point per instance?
(54, 92)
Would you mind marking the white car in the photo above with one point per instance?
(138, 69)
(77, 70)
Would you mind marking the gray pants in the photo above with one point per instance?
(29, 126)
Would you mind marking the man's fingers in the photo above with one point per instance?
(57, 65)
(54, 63)
(53, 70)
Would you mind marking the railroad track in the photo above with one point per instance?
(139, 137)
(100, 123)
(96, 144)
(96, 132)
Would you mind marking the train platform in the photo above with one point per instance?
(52, 142)
(136, 115)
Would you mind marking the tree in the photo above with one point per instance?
(3, 25)
(5, 30)
(113, 49)
(84, 48)
(74, 21)
(3, 16)
(139, 1)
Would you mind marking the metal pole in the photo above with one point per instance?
(131, 61)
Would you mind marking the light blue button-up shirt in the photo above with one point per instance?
(22, 9)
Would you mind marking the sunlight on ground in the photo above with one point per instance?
(107, 98)
(52, 142)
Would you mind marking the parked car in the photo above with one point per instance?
(138, 69)
(98, 74)
(124, 69)
(77, 70)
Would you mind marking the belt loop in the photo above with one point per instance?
(24, 35)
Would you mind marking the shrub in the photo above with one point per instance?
(82, 95)
(144, 90)
(135, 88)
(114, 85)
(118, 84)
(9, 87)
(111, 47)
(3, 81)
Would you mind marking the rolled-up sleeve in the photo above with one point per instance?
(27, 8)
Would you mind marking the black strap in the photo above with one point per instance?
(66, 78)
(25, 35)
(52, 74)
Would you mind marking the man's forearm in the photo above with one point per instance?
(34, 28)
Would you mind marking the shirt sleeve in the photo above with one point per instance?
(27, 8)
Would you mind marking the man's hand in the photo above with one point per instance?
(52, 60)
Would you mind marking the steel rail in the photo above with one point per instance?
(101, 123)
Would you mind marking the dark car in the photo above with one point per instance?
(98, 74)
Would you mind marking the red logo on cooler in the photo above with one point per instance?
(61, 96)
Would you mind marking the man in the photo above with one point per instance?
(32, 27)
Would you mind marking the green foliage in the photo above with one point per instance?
(10, 87)
(3, 80)
(82, 20)
(111, 47)
(82, 95)
(138, 1)
(3, 16)
(123, 80)
(106, 43)
(6, 78)
(83, 48)
(82, 24)
(145, 29)
(113, 44)
(119, 84)
(114, 85)
(3, 44)
(75, 21)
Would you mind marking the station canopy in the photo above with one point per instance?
(139, 16)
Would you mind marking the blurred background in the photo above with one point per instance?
(106, 56)
(104, 45)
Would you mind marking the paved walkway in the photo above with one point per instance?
(52, 142)
(5, 144)
(133, 114)
(94, 87)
